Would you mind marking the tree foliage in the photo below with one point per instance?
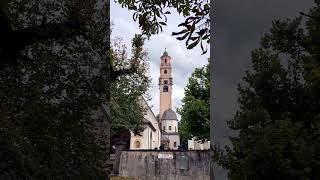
(152, 17)
(278, 120)
(54, 95)
(52, 88)
(21, 25)
(128, 89)
(195, 111)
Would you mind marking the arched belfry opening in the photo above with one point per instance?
(165, 88)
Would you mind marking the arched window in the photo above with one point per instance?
(165, 60)
(165, 71)
(150, 140)
(165, 88)
(165, 81)
(137, 144)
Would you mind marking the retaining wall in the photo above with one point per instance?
(165, 165)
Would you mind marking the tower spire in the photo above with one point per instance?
(165, 53)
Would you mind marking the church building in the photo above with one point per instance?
(163, 130)
(150, 137)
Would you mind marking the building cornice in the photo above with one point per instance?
(170, 133)
(165, 56)
(169, 119)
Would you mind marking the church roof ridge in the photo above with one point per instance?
(148, 105)
(158, 120)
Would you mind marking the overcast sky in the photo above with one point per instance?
(183, 61)
(238, 27)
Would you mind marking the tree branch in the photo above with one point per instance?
(31, 35)
(13, 41)
(116, 73)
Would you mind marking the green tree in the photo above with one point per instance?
(55, 78)
(128, 88)
(195, 111)
(152, 17)
(52, 88)
(278, 120)
(39, 24)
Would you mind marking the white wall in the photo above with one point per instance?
(195, 145)
(174, 129)
(147, 141)
(172, 139)
(172, 123)
(155, 134)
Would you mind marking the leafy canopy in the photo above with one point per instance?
(52, 87)
(195, 112)
(278, 120)
(128, 89)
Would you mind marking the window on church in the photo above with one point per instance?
(175, 144)
(175, 128)
(164, 128)
(165, 71)
(150, 140)
(137, 144)
(165, 60)
(169, 128)
(165, 81)
(165, 88)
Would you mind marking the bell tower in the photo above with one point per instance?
(165, 83)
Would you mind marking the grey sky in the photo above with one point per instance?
(238, 27)
(184, 61)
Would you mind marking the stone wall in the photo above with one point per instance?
(165, 165)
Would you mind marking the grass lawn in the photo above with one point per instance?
(122, 178)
